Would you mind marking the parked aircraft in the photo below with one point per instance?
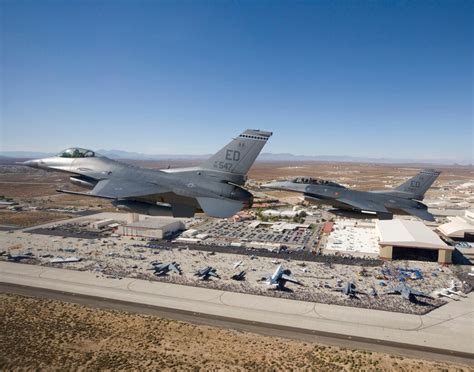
(164, 268)
(349, 289)
(280, 277)
(61, 259)
(407, 293)
(19, 257)
(215, 187)
(454, 291)
(206, 273)
(404, 199)
(239, 277)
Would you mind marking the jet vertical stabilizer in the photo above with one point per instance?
(239, 155)
(416, 187)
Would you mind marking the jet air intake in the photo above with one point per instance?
(133, 206)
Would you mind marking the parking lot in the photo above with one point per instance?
(289, 235)
(74, 230)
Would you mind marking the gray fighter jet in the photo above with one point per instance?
(407, 293)
(349, 289)
(215, 187)
(19, 257)
(239, 277)
(280, 277)
(404, 199)
(161, 269)
(206, 273)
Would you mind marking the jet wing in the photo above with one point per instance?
(115, 189)
(173, 267)
(420, 213)
(289, 279)
(364, 205)
(418, 293)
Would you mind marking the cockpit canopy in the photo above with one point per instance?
(314, 181)
(76, 152)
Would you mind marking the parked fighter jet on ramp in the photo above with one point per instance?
(161, 269)
(407, 293)
(280, 277)
(349, 290)
(404, 199)
(215, 187)
(206, 273)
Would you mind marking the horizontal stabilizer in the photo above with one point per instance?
(290, 279)
(220, 208)
(420, 213)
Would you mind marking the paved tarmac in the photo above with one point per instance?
(446, 333)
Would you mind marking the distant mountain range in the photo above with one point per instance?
(119, 154)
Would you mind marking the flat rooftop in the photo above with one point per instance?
(408, 233)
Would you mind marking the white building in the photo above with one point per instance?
(459, 227)
(190, 233)
(271, 213)
(284, 226)
(102, 223)
(263, 245)
(281, 214)
(156, 228)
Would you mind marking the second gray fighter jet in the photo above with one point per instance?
(404, 199)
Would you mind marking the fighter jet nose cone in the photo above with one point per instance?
(31, 163)
(36, 163)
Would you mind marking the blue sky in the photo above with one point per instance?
(375, 78)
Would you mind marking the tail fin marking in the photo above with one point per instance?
(238, 156)
(419, 184)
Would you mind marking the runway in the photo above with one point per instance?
(444, 334)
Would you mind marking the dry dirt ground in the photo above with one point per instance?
(46, 334)
(30, 218)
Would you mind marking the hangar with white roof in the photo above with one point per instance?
(459, 227)
(409, 239)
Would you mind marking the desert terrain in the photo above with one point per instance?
(47, 334)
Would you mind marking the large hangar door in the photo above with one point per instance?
(416, 254)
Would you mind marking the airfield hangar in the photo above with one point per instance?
(459, 227)
(154, 228)
(410, 239)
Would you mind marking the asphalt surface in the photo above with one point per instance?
(326, 338)
(68, 233)
(281, 254)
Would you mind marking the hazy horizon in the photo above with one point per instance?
(264, 156)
